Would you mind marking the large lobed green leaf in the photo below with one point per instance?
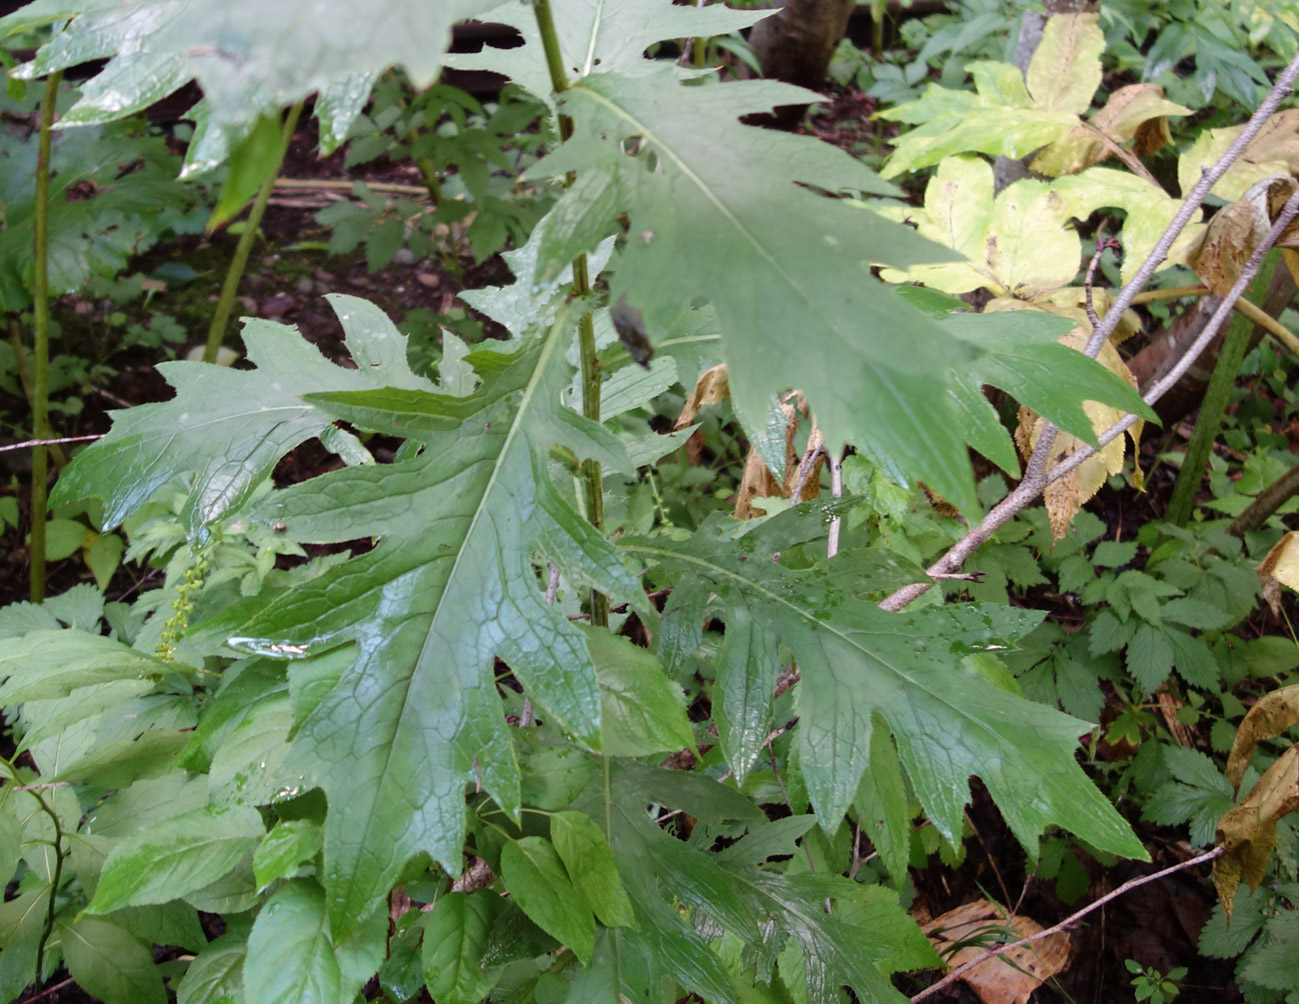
(449, 586)
(238, 50)
(856, 660)
(230, 427)
(731, 214)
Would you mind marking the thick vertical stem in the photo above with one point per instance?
(1214, 406)
(41, 340)
(593, 477)
(225, 303)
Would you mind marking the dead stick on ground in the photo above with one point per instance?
(1072, 919)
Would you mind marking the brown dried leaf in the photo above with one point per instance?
(711, 387)
(1236, 231)
(1011, 977)
(1280, 568)
(759, 482)
(756, 482)
(1066, 496)
(1248, 832)
(1271, 715)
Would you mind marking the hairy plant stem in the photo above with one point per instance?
(1037, 475)
(29, 391)
(592, 475)
(1214, 406)
(226, 301)
(41, 339)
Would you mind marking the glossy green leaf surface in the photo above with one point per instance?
(543, 890)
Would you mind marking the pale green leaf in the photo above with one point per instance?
(236, 49)
(585, 852)
(538, 883)
(261, 414)
(289, 843)
(1065, 70)
(49, 664)
(22, 924)
(642, 710)
(176, 857)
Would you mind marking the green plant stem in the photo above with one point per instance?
(41, 339)
(1214, 406)
(593, 476)
(29, 387)
(226, 301)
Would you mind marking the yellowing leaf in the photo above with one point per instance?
(1275, 150)
(961, 935)
(1149, 211)
(711, 387)
(1067, 495)
(1133, 113)
(1018, 244)
(1066, 68)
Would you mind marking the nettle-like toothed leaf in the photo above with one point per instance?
(855, 659)
(236, 51)
(228, 428)
(688, 174)
(598, 36)
(450, 585)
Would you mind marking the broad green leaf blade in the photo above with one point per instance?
(229, 427)
(49, 664)
(537, 882)
(176, 857)
(290, 955)
(585, 852)
(22, 923)
(643, 711)
(599, 36)
(949, 723)
(110, 964)
(702, 188)
(289, 843)
(455, 937)
(216, 976)
(449, 587)
(236, 50)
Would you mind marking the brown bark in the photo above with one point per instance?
(795, 46)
